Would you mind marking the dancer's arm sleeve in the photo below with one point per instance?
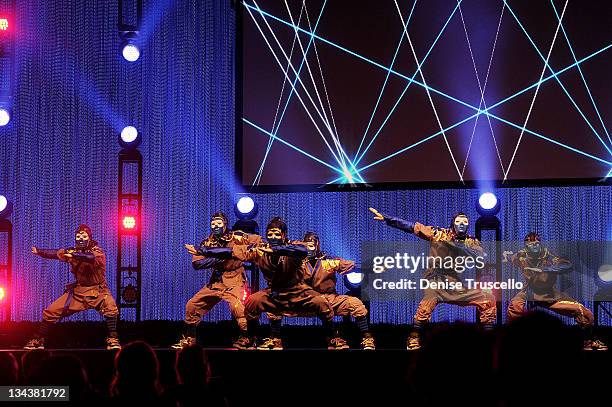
(399, 223)
(201, 262)
(345, 266)
(52, 254)
(291, 250)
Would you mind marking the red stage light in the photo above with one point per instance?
(4, 24)
(2, 293)
(129, 222)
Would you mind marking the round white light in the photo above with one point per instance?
(129, 134)
(354, 278)
(5, 117)
(245, 204)
(3, 203)
(605, 273)
(487, 200)
(131, 52)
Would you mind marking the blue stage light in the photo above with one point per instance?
(131, 52)
(6, 207)
(605, 274)
(487, 204)
(353, 279)
(246, 208)
(5, 116)
(129, 137)
(487, 200)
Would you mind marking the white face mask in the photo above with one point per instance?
(217, 227)
(461, 225)
(274, 236)
(81, 240)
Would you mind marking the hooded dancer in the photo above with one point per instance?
(453, 242)
(227, 283)
(540, 267)
(89, 291)
(281, 266)
(320, 273)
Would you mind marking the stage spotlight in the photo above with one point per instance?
(2, 293)
(6, 207)
(246, 208)
(605, 274)
(130, 52)
(353, 279)
(488, 204)
(130, 47)
(129, 137)
(5, 116)
(129, 222)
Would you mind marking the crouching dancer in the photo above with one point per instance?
(540, 267)
(281, 266)
(320, 273)
(89, 291)
(227, 283)
(455, 242)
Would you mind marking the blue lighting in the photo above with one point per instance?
(478, 111)
(605, 274)
(245, 204)
(354, 279)
(5, 116)
(282, 115)
(261, 129)
(129, 134)
(246, 208)
(131, 52)
(488, 200)
(129, 137)
(6, 207)
(3, 203)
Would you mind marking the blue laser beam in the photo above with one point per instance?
(280, 99)
(479, 111)
(485, 111)
(278, 123)
(299, 150)
(384, 85)
(286, 74)
(547, 65)
(582, 75)
(399, 99)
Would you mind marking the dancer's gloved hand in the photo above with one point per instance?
(377, 215)
(191, 248)
(35, 250)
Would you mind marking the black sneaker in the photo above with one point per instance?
(368, 343)
(595, 345)
(35, 343)
(414, 341)
(243, 343)
(184, 342)
(337, 344)
(271, 344)
(112, 343)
